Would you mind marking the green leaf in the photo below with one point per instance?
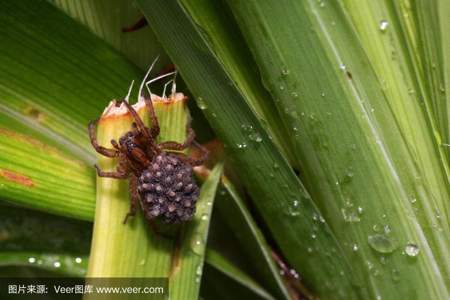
(231, 208)
(284, 204)
(35, 173)
(55, 75)
(383, 182)
(29, 238)
(106, 18)
(64, 264)
(223, 265)
(230, 49)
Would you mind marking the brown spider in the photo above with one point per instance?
(162, 180)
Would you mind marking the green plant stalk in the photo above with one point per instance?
(134, 250)
(279, 196)
(369, 189)
(130, 250)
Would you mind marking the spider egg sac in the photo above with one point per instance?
(175, 193)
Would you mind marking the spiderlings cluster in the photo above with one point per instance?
(160, 180)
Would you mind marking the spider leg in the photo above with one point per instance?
(154, 130)
(171, 145)
(100, 149)
(139, 124)
(195, 161)
(117, 174)
(133, 200)
(204, 154)
(115, 144)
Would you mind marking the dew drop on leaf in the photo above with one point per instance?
(201, 103)
(412, 250)
(382, 243)
(383, 25)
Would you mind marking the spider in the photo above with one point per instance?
(161, 180)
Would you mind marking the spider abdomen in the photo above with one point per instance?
(168, 189)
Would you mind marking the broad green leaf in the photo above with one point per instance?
(55, 75)
(230, 49)
(279, 196)
(29, 238)
(106, 18)
(64, 264)
(383, 187)
(35, 173)
(433, 24)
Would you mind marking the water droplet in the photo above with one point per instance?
(201, 103)
(294, 94)
(197, 244)
(31, 260)
(412, 249)
(313, 236)
(246, 127)
(322, 94)
(241, 146)
(199, 270)
(351, 215)
(78, 260)
(255, 136)
(413, 200)
(57, 264)
(281, 87)
(395, 275)
(382, 243)
(294, 209)
(204, 217)
(376, 227)
(142, 262)
(342, 67)
(285, 72)
(384, 25)
(294, 273)
(355, 247)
